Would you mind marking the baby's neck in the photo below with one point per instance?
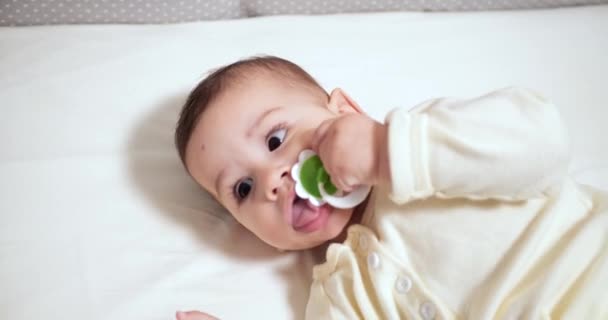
(355, 218)
(318, 252)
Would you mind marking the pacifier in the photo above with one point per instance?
(314, 184)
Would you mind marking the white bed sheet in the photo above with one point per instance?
(97, 218)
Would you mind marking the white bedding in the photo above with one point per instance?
(99, 221)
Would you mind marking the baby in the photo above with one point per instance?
(472, 215)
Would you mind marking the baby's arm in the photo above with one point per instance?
(509, 144)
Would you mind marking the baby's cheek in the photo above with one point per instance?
(338, 222)
(267, 224)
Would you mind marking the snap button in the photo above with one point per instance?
(403, 284)
(373, 260)
(427, 311)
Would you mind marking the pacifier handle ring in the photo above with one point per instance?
(350, 200)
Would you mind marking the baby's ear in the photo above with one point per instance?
(340, 103)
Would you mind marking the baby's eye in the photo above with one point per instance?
(242, 188)
(275, 139)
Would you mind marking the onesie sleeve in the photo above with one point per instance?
(319, 306)
(509, 144)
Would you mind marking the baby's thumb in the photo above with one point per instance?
(320, 134)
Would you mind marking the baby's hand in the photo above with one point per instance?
(353, 149)
(193, 315)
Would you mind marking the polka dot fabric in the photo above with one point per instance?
(40, 12)
(36, 12)
(270, 7)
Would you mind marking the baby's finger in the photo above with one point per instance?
(320, 134)
(341, 184)
(325, 150)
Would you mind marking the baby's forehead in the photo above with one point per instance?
(253, 95)
(278, 78)
(265, 79)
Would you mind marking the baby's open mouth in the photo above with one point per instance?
(307, 217)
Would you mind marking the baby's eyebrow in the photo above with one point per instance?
(261, 118)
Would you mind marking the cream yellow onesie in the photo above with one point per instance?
(481, 222)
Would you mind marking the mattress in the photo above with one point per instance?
(98, 220)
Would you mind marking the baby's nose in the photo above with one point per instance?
(275, 183)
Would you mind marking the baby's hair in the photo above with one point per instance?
(220, 79)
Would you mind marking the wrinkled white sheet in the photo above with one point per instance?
(97, 218)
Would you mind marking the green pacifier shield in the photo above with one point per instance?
(312, 173)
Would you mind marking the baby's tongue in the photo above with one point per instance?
(303, 213)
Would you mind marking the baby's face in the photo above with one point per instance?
(242, 151)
